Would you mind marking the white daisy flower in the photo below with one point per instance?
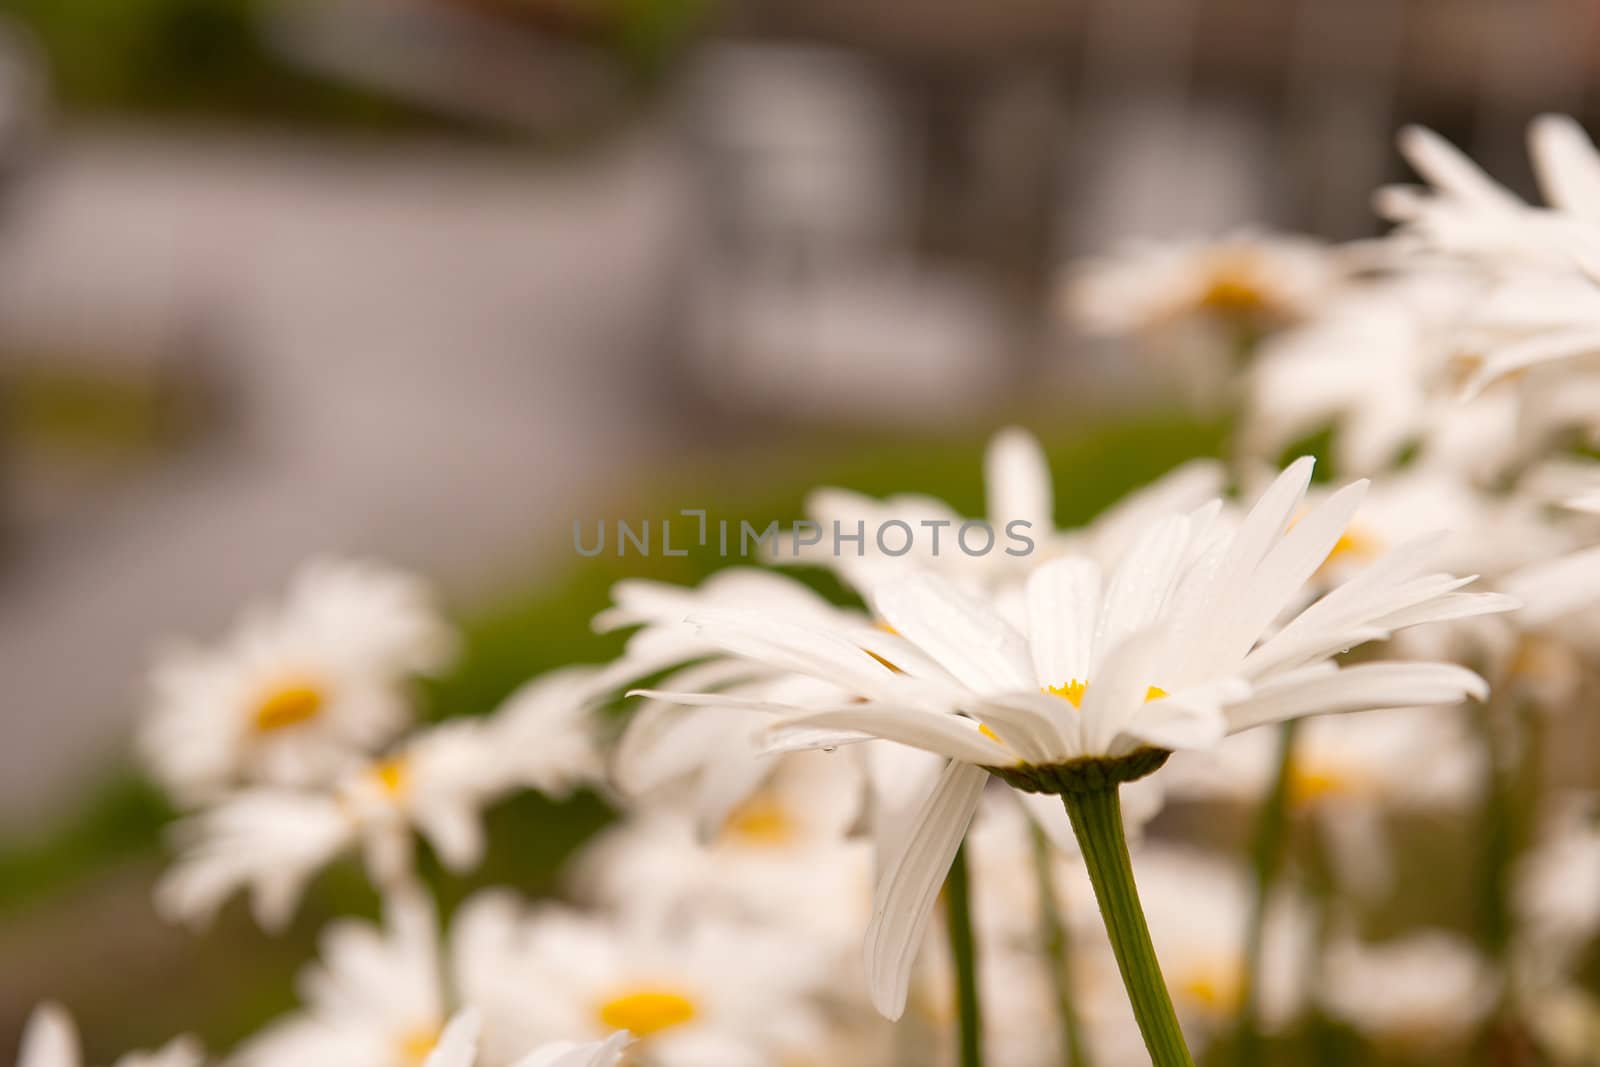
(298, 689)
(1176, 648)
(51, 1040)
(783, 857)
(437, 783)
(666, 742)
(458, 1047)
(1416, 994)
(381, 997)
(1468, 213)
(1198, 306)
(1264, 279)
(1544, 304)
(706, 994)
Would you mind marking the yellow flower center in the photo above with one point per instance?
(761, 820)
(1214, 986)
(415, 1046)
(1074, 690)
(1235, 291)
(392, 775)
(1355, 544)
(290, 704)
(646, 1011)
(1310, 783)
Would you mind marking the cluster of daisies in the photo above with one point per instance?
(797, 780)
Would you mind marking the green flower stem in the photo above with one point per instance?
(958, 915)
(1058, 950)
(1097, 820)
(1266, 857)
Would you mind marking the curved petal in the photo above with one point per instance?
(945, 735)
(910, 881)
(1359, 688)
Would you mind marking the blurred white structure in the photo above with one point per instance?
(809, 296)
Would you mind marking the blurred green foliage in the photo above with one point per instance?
(211, 57)
(188, 56)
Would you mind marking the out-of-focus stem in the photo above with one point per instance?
(958, 915)
(1058, 950)
(1266, 857)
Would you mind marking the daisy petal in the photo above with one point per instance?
(1063, 602)
(910, 881)
(1018, 479)
(1359, 688)
(964, 635)
(50, 1039)
(1566, 166)
(942, 734)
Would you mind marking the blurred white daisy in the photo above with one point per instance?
(394, 996)
(51, 1040)
(1416, 994)
(298, 688)
(707, 994)
(783, 857)
(377, 998)
(1465, 212)
(1544, 303)
(438, 783)
(1265, 279)
(1198, 306)
(1178, 647)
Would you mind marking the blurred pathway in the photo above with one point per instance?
(436, 351)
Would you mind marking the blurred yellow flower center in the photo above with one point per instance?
(290, 704)
(1234, 290)
(392, 775)
(1354, 544)
(417, 1045)
(761, 820)
(1309, 783)
(1214, 986)
(1074, 690)
(647, 1011)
